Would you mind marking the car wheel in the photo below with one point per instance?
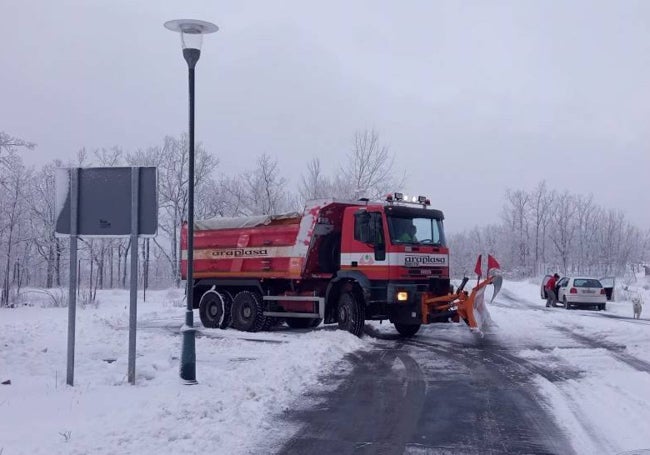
(565, 303)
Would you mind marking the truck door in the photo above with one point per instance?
(366, 250)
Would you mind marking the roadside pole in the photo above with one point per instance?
(72, 291)
(133, 309)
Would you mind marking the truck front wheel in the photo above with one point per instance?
(351, 314)
(247, 312)
(407, 330)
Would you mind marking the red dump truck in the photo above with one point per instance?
(337, 262)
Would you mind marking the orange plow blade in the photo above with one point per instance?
(470, 307)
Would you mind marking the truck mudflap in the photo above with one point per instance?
(468, 306)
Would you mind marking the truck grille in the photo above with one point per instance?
(429, 271)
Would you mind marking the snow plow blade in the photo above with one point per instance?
(468, 306)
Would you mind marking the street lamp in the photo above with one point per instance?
(192, 32)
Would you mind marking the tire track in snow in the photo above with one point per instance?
(373, 411)
(476, 399)
(509, 296)
(497, 400)
(615, 350)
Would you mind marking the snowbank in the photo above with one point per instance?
(244, 379)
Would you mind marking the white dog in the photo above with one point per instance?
(637, 306)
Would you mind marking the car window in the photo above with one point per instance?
(587, 283)
(563, 282)
(607, 282)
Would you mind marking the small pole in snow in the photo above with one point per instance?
(133, 309)
(72, 294)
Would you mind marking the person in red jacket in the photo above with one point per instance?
(551, 295)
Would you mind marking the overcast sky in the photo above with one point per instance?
(473, 97)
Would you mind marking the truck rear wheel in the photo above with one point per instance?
(303, 323)
(212, 310)
(407, 330)
(247, 312)
(351, 314)
(227, 308)
(270, 322)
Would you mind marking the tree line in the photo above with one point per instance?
(543, 230)
(32, 256)
(540, 230)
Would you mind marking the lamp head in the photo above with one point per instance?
(191, 31)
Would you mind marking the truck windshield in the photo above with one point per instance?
(415, 230)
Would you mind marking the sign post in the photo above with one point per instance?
(72, 291)
(133, 308)
(106, 202)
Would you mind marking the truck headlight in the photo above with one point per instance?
(402, 296)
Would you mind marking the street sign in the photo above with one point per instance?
(104, 202)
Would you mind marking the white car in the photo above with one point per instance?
(581, 292)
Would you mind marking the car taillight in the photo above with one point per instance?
(602, 291)
(573, 291)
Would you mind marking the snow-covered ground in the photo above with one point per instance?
(244, 379)
(606, 409)
(247, 379)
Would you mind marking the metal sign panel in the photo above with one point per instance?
(104, 202)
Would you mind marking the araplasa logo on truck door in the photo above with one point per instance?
(424, 260)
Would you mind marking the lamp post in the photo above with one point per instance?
(191, 32)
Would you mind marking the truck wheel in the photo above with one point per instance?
(211, 310)
(227, 308)
(247, 312)
(270, 322)
(351, 314)
(303, 323)
(407, 330)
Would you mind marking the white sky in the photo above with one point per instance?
(472, 97)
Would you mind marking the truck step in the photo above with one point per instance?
(284, 314)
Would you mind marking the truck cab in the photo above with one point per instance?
(396, 251)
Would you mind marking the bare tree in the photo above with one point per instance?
(515, 214)
(564, 227)
(10, 145)
(265, 188)
(109, 157)
(368, 171)
(586, 215)
(42, 220)
(541, 204)
(315, 185)
(14, 180)
(173, 186)
(228, 197)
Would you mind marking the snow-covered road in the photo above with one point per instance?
(581, 375)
